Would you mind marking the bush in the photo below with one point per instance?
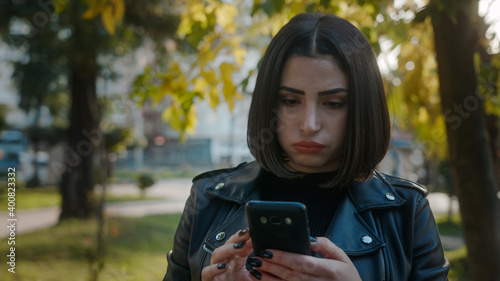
(144, 181)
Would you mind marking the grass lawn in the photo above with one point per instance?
(48, 196)
(136, 249)
(457, 257)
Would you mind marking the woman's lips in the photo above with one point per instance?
(308, 147)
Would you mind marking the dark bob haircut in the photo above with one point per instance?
(368, 127)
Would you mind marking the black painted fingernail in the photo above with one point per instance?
(266, 254)
(255, 274)
(242, 232)
(312, 239)
(221, 265)
(254, 262)
(239, 245)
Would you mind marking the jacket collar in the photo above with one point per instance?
(347, 230)
(240, 186)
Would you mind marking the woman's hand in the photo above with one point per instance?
(228, 261)
(279, 265)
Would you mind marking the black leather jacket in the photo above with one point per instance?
(384, 225)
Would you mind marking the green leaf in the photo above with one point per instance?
(325, 3)
(267, 7)
(278, 6)
(244, 83)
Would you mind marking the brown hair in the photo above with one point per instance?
(368, 127)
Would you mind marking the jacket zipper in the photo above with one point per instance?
(207, 249)
(383, 265)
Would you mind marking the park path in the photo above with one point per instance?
(172, 195)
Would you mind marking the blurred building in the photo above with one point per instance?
(219, 140)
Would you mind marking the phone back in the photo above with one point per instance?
(278, 225)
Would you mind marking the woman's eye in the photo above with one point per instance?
(335, 104)
(289, 101)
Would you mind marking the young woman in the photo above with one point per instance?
(318, 126)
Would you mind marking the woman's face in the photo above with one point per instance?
(312, 112)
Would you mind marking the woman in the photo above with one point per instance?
(318, 126)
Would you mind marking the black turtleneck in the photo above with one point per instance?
(321, 202)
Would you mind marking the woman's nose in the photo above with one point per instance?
(311, 122)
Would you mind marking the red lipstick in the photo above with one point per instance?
(308, 147)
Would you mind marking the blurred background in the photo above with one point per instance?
(108, 109)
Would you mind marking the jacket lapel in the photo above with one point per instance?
(238, 186)
(348, 230)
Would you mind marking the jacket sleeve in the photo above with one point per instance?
(428, 262)
(178, 265)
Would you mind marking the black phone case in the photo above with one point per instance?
(278, 225)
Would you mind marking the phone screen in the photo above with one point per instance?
(278, 225)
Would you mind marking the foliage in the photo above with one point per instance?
(415, 99)
(144, 181)
(213, 29)
(489, 82)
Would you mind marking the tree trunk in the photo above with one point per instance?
(77, 185)
(472, 168)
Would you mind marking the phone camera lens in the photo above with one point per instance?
(263, 219)
(275, 220)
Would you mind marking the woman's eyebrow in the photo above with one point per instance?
(291, 90)
(322, 93)
(333, 91)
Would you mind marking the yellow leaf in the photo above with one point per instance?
(207, 52)
(225, 17)
(423, 116)
(239, 55)
(174, 115)
(226, 71)
(200, 85)
(92, 13)
(112, 15)
(191, 120)
(207, 83)
(108, 19)
(119, 10)
(166, 115)
(185, 27)
(213, 98)
(229, 89)
(197, 13)
(173, 81)
(210, 77)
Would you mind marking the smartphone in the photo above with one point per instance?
(278, 225)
